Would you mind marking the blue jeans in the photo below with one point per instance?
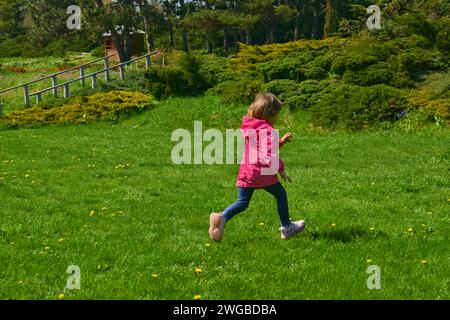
(245, 195)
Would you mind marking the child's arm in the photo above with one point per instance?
(285, 177)
(282, 172)
(286, 138)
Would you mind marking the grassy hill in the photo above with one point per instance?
(107, 198)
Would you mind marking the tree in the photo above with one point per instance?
(174, 12)
(331, 18)
(152, 15)
(207, 22)
(11, 17)
(47, 20)
(120, 18)
(298, 6)
(314, 6)
(266, 10)
(285, 14)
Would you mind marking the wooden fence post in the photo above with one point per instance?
(82, 76)
(94, 81)
(122, 71)
(148, 61)
(26, 90)
(66, 90)
(55, 83)
(107, 78)
(26, 93)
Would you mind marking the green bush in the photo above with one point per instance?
(443, 37)
(98, 52)
(434, 95)
(191, 66)
(240, 91)
(22, 46)
(133, 81)
(418, 119)
(17, 47)
(101, 106)
(308, 93)
(379, 73)
(216, 70)
(299, 65)
(355, 107)
(164, 82)
(184, 80)
(356, 61)
(281, 87)
(418, 62)
(314, 72)
(288, 67)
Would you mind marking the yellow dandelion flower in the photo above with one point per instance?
(369, 260)
(262, 224)
(27, 176)
(198, 270)
(373, 183)
(61, 296)
(207, 244)
(424, 262)
(92, 213)
(20, 282)
(197, 297)
(372, 228)
(154, 275)
(333, 225)
(410, 229)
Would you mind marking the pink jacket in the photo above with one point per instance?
(250, 171)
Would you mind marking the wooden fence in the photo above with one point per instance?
(82, 78)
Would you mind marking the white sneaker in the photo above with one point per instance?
(293, 229)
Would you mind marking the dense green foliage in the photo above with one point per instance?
(183, 80)
(389, 72)
(84, 109)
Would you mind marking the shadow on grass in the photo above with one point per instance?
(346, 235)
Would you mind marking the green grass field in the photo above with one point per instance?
(108, 199)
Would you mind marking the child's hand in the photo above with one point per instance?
(285, 177)
(286, 138)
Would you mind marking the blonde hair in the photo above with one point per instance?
(265, 106)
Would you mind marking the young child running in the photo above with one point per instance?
(262, 115)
